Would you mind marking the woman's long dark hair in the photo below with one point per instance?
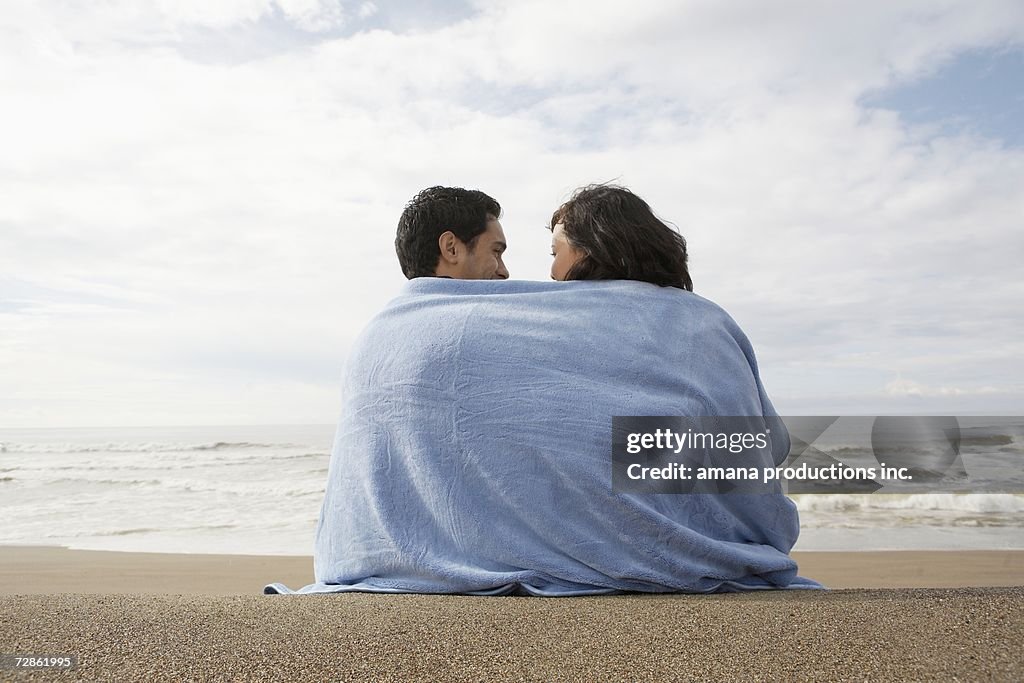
(621, 239)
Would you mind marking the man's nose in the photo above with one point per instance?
(502, 272)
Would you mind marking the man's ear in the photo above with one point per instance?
(449, 245)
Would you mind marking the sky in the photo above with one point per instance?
(198, 198)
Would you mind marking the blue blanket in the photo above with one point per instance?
(473, 452)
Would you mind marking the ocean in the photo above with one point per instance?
(258, 490)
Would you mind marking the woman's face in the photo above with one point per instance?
(565, 254)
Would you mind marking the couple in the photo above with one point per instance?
(603, 232)
(473, 453)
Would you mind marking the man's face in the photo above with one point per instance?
(483, 261)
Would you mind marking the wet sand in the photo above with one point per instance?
(43, 569)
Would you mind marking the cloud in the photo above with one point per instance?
(136, 21)
(184, 200)
(367, 10)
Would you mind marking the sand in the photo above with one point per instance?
(43, 569)
(131, 616)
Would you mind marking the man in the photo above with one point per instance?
(451, 232)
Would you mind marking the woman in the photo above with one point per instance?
(605, 232)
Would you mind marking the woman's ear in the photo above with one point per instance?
(448, 244)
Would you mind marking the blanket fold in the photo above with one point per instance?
(473, 452)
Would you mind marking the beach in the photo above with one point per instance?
(129, 616)
(144, 596)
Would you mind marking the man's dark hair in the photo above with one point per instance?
(621, 239)
(431, 213)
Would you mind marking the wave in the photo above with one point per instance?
(124, 447)
(155, 530)
(925, 510)
(270, 490)
(127, 532)
(987, 440)
(204, 463)
(972, 443)
(112, 482)
(977, 503)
